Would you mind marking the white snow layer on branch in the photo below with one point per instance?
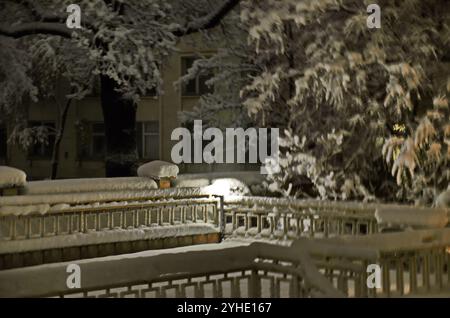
(12, 177)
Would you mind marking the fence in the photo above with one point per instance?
(257, 270)
(410, 263)
(129, 226)
(418, 262)
(164, 219)
(289, 219)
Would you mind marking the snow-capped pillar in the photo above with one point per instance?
(11, 181)
(163, 172)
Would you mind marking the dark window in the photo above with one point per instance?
(3, 145)
(43, 150)
(148, 140)
(196, 86)
(98, 146)
(152, 92)
(92, 141)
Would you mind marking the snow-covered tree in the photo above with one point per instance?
(341, 91)
(127, 42)
(227, 70)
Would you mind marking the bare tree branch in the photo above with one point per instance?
(31, 28)
(51, 24)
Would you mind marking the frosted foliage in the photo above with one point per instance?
(350, 99)
(15, 81)
(229, 69)
(136, 42)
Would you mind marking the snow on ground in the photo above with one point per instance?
(158, 169)
(222, 183)
(89, 185)
(248, 177)
(12, 177)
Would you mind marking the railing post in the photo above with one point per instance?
(254, 285)
(222, 219)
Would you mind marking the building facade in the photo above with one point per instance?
(83, 144)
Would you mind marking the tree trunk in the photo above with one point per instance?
(119, 114)
(58, 138)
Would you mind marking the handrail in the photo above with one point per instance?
(176, 269)
(308, 268)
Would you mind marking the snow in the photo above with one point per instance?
(221, 183)
(192, 261)
(89, 185)
(227, 187)
(370, 246)
(12, 177)
(24, 209)
(443, 200)
(158, 169)
(413, 217)
(108, 236)
(24, 204)
(247, 177)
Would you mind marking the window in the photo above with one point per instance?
(196, 86)
(43, 149)
(148, 140)
(98, 145)
(94, 146)
(92, 141)
(3, 145)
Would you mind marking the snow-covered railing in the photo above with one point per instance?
(276, 218)
(415, 263)
(54, 223)
(410, 263)
(227, 270)
(74, 232)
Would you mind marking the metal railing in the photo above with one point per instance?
(415, 263)
(257, 270)
(291, 219)
(243, 217)
(410, 263)
(288, 219)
